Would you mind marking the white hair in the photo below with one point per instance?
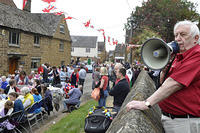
(25, 90)
(3, 77)
(194, 30)
(118, 66)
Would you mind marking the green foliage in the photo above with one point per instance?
(161, 16)
(73, 122)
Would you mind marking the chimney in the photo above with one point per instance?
(27, 6)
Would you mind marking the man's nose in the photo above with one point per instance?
(178, 38)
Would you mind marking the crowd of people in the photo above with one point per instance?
(20, 91)
(114, 80)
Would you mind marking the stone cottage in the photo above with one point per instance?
(31, 39)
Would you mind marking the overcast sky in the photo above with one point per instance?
(110, 15)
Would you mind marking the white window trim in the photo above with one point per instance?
(63, 28)
(11, 44)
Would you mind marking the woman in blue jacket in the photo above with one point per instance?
(18, 105)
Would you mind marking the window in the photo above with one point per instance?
(87, 50)
(14, 38)
(36, 40)
(62, 28)
(61, 47)
(35, 63)
(72, 49)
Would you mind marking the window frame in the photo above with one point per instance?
(62, 28)
(35, 42)
(35, 60)
(17, 38)
(87, 50)
(72, 49)
(61, 46)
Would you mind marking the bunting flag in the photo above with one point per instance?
(68, 18)
(101, 30)
(24, 3)
(113, 41)
(87, 24)
(59, 13)
(49, 8)
(49, 1)
(108, 39)
(91, 26)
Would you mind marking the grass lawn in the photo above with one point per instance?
(73, 122)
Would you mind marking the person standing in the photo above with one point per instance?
(103, 86)
(75, 78)
(178, 96)
(96, 77)
(120, 90)
(82, 76)
(45, 73)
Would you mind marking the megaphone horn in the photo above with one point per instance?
(156, 53)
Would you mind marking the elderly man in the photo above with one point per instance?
(179, 95)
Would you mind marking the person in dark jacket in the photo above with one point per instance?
(120, 90)
(47, 95)
(37, 85)
(56, 76)
(45, 73)
(18, 105)
(11, 87)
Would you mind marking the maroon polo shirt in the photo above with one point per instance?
(185, 70)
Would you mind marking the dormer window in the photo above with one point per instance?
(62, 28)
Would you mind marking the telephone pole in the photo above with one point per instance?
(130, 38)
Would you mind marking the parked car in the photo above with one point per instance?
(89, 68)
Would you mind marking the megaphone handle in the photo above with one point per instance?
(170, 64)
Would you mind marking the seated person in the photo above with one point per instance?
(37, 85)
(4, 83)
(47, 95)
(28, 98)
(37, 97)
(74, 98)
(18, 105)
(21, 79)
(11, 87)
(7, 110)
(2, 94)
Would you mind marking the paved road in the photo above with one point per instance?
(87, 89)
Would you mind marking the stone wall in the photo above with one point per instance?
(137, 121)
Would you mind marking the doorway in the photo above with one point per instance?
(13, 63)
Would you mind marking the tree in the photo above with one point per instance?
(161, 15)
(142, 36)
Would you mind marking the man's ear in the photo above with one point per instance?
(196, 38)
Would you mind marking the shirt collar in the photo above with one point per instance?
(180, 56)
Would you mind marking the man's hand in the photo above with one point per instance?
(139, 105)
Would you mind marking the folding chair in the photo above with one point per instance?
(38, 115)
(31, 116)
(14, 117)
(1, 121)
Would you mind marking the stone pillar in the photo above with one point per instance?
(137, 121)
